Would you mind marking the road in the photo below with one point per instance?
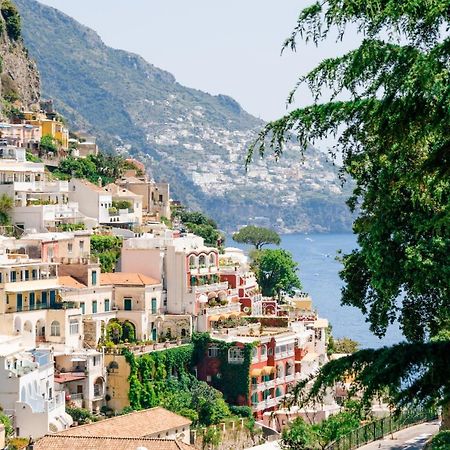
(413, 438)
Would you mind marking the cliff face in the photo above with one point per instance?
(19, 77)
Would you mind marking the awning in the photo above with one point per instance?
(255, 373)
(78, 359)
(213, 318)
(268, 370)
(68, 377)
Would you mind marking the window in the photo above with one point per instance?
(235, 355)
(74, 327)
(55, 329)
(202, 260)
(127, 304)
(254, 353)
(94, 278)
(83, 308)
(213, 352)
(153, 305)
(94, 306)
(96, 360)
(69, 247)
(263, 351)
(81, 244)
(107, 305)
(13, 276)
(33, 274)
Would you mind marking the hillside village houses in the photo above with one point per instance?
(56, 305)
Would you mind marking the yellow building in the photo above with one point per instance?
(55, 129)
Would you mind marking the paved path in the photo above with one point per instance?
(413, 438)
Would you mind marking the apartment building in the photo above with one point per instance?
(28, 392)
(189, 272)
(279, 359)
(96, 203)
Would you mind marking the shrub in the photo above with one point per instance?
(441, 441)
(241, 411)
(81, 415)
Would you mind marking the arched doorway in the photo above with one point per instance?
(40, 330)
(99, 387)
(18, 325)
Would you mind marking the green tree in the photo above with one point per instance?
(336, 426)
(277, 273)
(257, 236)
(394, 138)
(47, 144)
(107, 249)
(298, 436)
(114, 332)
(345, 345)
(211, 236)
(6, 206)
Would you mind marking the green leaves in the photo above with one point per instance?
(257, 236)
(276, 272)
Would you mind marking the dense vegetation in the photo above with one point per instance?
(300, 435)
(201, 225)
(107, 248)
(164, 379)
(276, 272)
(12, 19)
(394, 137)
(107, 168)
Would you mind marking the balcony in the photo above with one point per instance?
(210, 287)
(266, 404)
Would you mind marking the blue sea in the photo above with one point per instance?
(319, 274)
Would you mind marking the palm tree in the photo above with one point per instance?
(6, 205)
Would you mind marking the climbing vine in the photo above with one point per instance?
(234, 379)
(163, 378)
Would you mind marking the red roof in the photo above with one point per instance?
(66, 377)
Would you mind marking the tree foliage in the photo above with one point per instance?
(6, 206)
(304, 436)
(201, 225)
(107, 249)
(257, 236)
(47, 144)
(277, 273)
(394, 138)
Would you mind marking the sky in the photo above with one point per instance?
(230, 47)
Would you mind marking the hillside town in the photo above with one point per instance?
(72, 325)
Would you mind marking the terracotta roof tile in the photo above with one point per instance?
(126, 279)
(66, 442)
(70, 282)
(136, 424)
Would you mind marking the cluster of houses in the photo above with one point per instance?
(56, 303)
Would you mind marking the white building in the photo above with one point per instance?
(27, 389)
(96, 203)
(189, 271)
(39, 203)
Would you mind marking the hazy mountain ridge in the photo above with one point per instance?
(192, 139)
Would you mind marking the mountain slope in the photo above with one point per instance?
(194, 140)
(19, 78)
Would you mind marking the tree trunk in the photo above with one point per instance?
(445, 424)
